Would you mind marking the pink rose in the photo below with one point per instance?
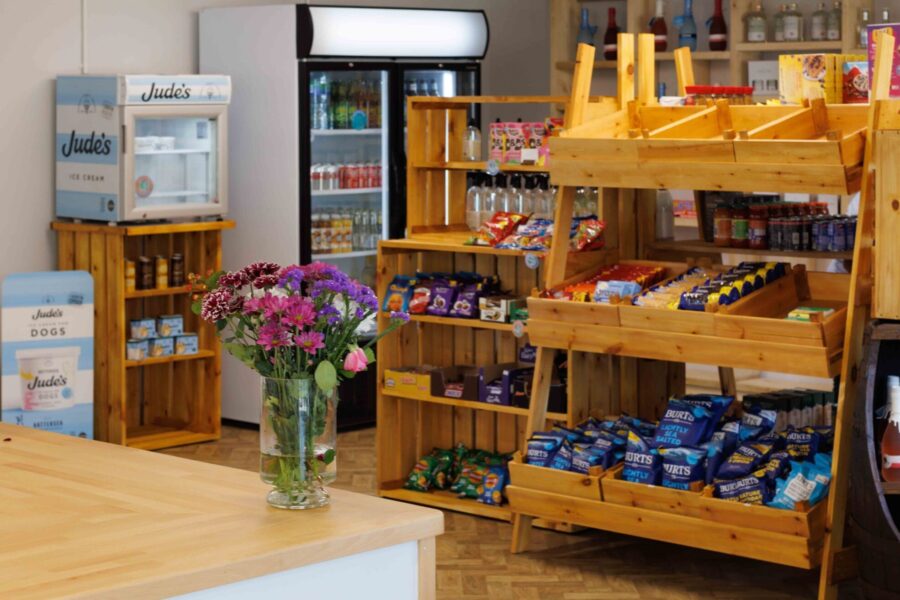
(356, 361)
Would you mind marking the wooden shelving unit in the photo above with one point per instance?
(642, 146)
(162, 401)
(410, 427)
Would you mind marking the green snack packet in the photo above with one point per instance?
(442, 475)
(421, 477)
(471, 476)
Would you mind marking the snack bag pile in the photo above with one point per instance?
(514, 231)
(440, 294)
(470, 473)
(699, 290)
(614, 280)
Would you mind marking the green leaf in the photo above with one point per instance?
(326, 376)
(328, 457)
(370, 354)
(213, 280)
(196, 307)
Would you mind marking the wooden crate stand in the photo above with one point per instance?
(809, 148)
(157, 402)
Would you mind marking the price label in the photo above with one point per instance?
(532, 261)
(518, 328)
(493, 167)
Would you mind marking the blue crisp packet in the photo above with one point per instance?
(683, 424)
(744, 460)
(643, 464)
(779, 463)
(717, 405)
(605, 289)
(541, 450)
(748, 490)
(802, 444)
(756, 416)
(562, 460)
(715, 452)
(645, 428)
(608, 441)
(584, 457)
(808, 482)
(729, 434)
(491, 489)
(571, 434)
(682, 466)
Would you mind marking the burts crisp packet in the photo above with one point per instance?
(746, 459)
(682, 466)
(643, 464)
(683, 424)
(717, 405)
(748, 490)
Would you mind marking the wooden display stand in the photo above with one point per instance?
(812, 148)
(157, 402)
(411, 424)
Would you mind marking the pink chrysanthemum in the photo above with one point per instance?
(272, 335)
(235, 279)
(309, 341)
(256, 269)
(298, 312)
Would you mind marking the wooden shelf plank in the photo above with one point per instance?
(706, 248)
(454, 322)
(447, 500)
(704, 56)
(787, 46)
(455, 241)
(478, 166)
(152, 437)
(161, 360)
(135, 230)
(172, 291)
(497, 408)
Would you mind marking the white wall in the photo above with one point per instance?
(40, 39)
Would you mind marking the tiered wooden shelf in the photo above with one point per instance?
(157, 402)
(809, 148)
(699, 247)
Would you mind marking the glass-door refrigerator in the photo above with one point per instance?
(317, 139)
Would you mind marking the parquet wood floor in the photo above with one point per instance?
(474, 562)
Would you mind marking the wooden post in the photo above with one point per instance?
(646, 69)
(625, 69)
(858, 311)
(684, 70)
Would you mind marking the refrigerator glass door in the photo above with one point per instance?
(349, 161)
(173, 161)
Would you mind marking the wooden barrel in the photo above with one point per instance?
(872, 526)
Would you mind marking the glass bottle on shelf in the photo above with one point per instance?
(687, 27)
(778, 24)
(885, 16)
(488, 199)
(818, 24)
(755, 24)
(472, 142)
(833, 26)
(610, 38)
(862, 28)
(890, 440)
(433, 88)
(525, 195)
(658, 28)
(718, 30)
(473, 204)
(586, 31)
(793, 24)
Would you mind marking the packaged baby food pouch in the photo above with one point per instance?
(682, 466)
(746, 459)
(683, 424)
(643, 464)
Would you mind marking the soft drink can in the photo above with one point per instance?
(315, 177)
(371, 175)
(343, 176)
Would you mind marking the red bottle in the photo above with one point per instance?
(890, 440)
(610, 38)
(718, 31)
(658, 28)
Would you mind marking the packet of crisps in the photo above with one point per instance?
(491, 489)
(470, 477)
(421, 478)
(753, 489)
(494, 230)
(802, 444)
(682, 466)
(442, 474)
(746, 459)
(683, 424)
(643, 464)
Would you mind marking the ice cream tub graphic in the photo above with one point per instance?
(47, 377)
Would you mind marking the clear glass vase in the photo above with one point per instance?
(297, 442)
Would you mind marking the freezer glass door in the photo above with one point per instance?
(173, 161)
(348, 168)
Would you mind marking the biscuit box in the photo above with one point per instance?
(170, 325)
(137, 349)
(142, 329)
(498, 308)
(162, 347)
(410, 382)
(187, 343)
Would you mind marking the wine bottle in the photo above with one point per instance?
(610, 38)
(718, 31)
(586, 31)
(687, 28)
(658, 28)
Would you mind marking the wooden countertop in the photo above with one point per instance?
(87, 519)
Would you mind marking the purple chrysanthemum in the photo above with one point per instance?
(291, 278)
(397, 315)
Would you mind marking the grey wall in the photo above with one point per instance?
(40, 39)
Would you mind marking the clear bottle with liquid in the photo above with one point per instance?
(885, 16)
(687, 27)
(862, 28)
(778, 24)
(833, 27)
(472, 142)
(793, 24)
(473, 205)
(665, 217)
(755, 24)
(818, 24)
(488, 199)
(890, 440)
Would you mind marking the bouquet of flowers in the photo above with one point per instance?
(290, 324)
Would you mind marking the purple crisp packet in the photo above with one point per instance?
(466, 304)
(442, 297)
